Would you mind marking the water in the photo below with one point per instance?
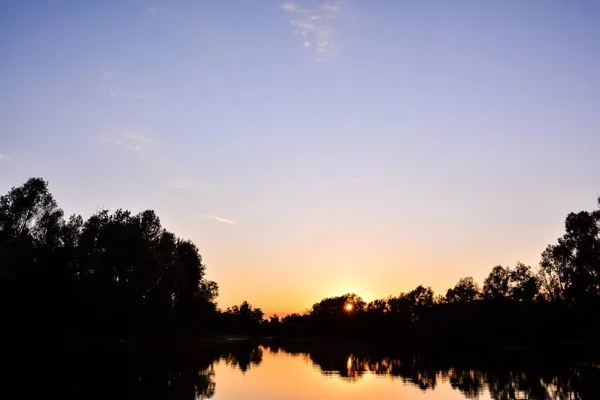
(339, 372)
(281, 375)
(247, 371)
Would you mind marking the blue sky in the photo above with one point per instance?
(313, 148)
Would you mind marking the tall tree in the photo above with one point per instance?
(570, 269)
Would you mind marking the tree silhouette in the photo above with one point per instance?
(466, 290)
(525, 286)
(118, 272)
(123, 278)
(570, 270)
(243, 319)
(335, 306)
(420, 297)
(496, 285)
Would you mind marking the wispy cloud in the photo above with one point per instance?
(3, 157)
(219, 219)
(289, 6)
(127, 140)
(314, 24)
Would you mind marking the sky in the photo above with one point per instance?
(313, 148)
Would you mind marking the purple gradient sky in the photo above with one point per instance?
(312, 148)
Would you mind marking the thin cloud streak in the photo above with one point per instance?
(219, 219)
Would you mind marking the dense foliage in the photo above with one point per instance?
(123, 275)
(115, 273)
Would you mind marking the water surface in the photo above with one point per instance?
(247, 371)
(282, 375)
(330, 372)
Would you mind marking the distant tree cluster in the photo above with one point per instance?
(559, 300)
(243, 319)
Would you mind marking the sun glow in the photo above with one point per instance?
(348, 307)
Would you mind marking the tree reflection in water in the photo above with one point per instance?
(195, 378)
(243, 360)
(127, 373)
(514, 377)
(189, 374)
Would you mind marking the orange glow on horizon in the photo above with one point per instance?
(305, 282)
(348, 307)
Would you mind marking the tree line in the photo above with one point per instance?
(123, 275)
(119, 275)
(559, 300)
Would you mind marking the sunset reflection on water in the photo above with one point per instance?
(282, 375)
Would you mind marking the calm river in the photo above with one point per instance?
(330, 372)
(247, 371)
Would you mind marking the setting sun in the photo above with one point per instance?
(348, 307)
